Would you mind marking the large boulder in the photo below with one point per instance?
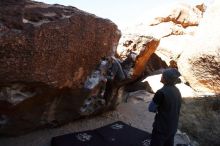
(45, 49)
(175, 27)
(182, 14)
(46, 54)
(200, 61)
(138, 50)
(12, 12)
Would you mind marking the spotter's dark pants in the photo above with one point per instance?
(160, 139)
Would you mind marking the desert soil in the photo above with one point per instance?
(135, 114)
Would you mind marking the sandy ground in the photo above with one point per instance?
(135, 114)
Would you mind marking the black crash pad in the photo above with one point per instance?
(85, 138)
(115, 134)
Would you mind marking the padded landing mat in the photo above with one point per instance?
(115, 134)
(85, 138)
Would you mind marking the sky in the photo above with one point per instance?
(122, 12)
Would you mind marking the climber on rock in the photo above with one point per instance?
(116, 70)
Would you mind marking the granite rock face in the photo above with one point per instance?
(200, 61)
(56, 45)
(189, 36)
(176, 27)
(12, 12)
(182, 14)
(46, 54)
(139, 49)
